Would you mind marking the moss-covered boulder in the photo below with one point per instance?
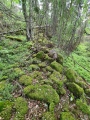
(6, 110)
(48, 68)
(57, 83)
(87, 91)
(41, 55)
(75, 89)
(59, 59)
(21, 108)
(83, 107)
(67, 116)
(48, 116)
(18, 72)
(36, 75)
(25, 80)
(71, 75)
(42, 65)
(42, 92)
(58, 67)
(34, 67)
(35, 60)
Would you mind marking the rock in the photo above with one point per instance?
(59, 59)
(83, 107)
(48, 116)
(58, 67)
(75, 89)
(87, 91)
(42, 92)
(67, 116)
(71, 75)
(41, 55)
(21, 108)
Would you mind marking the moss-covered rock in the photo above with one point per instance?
(36, 61)
(57, 83)
(42, 65)
(2, 105)
(48, 116)
(36, 75)
(71, 75)
(18, 72)
(48, 68)
(67, 116)
(87, 91)
(59, 59)
(6, 111)
(42, 92)
(41, 55)
(34, 67)
(75, 89)
(21, 108)
(26, 80)
(58, 67)
(83, 107)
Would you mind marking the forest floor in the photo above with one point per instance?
(36, 86)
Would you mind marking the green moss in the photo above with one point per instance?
(34, 67)
(87, 91)
(49, 59)
(42, 64)
(59, 59)
(44, 93)
(51, 107)
(18, 72)
(58, 67)
(6, 111)
(36, 74)
(2, 105)
(48, 116)
(71, 75)
(2, 85)
(75, 89)
(48, 68)
(41, 55)
(57, 83)
(21, 108)
(14, 38)
(83, 107)
(26, 80)
(67, 116)
(36, 60)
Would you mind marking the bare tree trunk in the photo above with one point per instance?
(28, 23)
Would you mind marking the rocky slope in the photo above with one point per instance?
(36, 85)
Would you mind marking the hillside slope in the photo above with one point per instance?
(34, 85)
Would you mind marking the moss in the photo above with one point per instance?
(42, 65)
(2, 85)
(51, 107)
(48, 116)
(83, 107)
(71, 75)
(44, 93)
(14, 38)
(67, 116)
(49, 59)
(58, 67)
(48, 68)
(2, 105)
(26, 80)
(59, 59)
(56, 83)
(21, 108)
(36, 74)
(87, 91)
(34, 67)
(36, 61)
(75, 89)
(18, 72)
(7, 110)
(41, 55)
